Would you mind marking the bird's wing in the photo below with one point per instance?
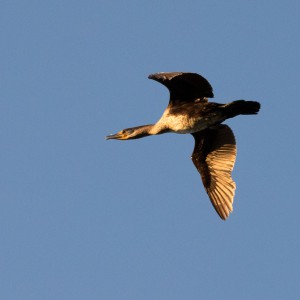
(184, 86)
(214, 157)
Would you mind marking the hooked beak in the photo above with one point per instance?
(117, 136)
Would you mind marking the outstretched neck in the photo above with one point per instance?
(146, 130)
(158, 128)
(139, 131)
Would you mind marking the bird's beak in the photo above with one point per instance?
(117, 136)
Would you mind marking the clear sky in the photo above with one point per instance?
(86, 218)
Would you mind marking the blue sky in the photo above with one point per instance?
(85, 218)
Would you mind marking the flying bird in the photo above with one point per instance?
(189, 111)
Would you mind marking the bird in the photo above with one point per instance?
(190, 112)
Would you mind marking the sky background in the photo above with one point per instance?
(86, 218)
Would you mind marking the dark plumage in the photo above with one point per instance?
(190, 112)
(184, 86)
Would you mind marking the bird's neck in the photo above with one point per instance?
(157, 128)
(146, 130)
(141, 131)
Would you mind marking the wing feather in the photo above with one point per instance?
(184, 86)
(214, 157)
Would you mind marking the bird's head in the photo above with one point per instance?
(131, 133)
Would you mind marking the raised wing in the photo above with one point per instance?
(214, 157)
(184, 86)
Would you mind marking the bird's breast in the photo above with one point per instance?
(183, 123)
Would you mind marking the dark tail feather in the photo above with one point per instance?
(241, 107)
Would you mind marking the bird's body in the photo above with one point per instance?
(188, 117)
(190, 112)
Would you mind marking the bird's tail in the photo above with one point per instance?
(241, 107)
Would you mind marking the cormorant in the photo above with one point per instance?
(190, 112)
